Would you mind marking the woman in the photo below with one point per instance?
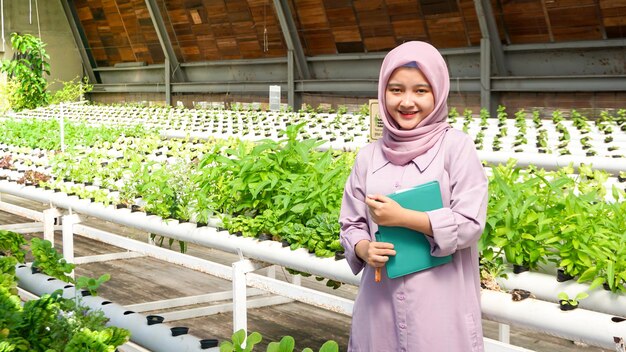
(438, 309)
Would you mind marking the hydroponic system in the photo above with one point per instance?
(268, 185)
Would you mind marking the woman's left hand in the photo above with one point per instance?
(384, 210)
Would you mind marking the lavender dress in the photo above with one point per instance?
(436, 310)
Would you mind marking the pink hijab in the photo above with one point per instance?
(402, 146)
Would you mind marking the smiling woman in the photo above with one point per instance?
(409, 98)
(436, 309)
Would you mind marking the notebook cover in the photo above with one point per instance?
(412, 248)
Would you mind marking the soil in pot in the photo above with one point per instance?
(561, 276)
(566, 305)
(285, 243)
(517, 269)
(265, 237)
(340, 255)
(520, 295)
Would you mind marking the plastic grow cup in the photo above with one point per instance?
(339, 255)
(179, 330)
(565, 305)
(518, 269)
(154, 319)
(208, 343)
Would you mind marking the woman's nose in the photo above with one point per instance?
(407, 100)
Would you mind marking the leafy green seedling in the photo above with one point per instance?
(565, 300)
(238, 338)
(92, 284)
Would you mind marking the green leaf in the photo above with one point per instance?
(287, 344)
(226, 347)
(330, 346)
(588, 274)
(610, 274)
(273, 347)
(581, 295)
(252, 340)
(299, 208)
(596, 283)
(239, 337)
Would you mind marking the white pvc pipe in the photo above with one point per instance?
(267, 251)
(546, 288)
(156, 337)
(552, 162)
(62, 126)
(577, 325)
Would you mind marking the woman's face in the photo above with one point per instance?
(409, 97)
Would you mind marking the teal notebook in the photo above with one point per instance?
(412, 248)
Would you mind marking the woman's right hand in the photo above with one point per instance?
(375, 254)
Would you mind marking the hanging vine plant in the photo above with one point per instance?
(27, 85)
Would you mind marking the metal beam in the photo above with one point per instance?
(81, 42)
(489, 30)
(164, 39)
(291, 91)
(290, 32)
(533, 67)
(168, 83)
(616, 83)
(583, 44)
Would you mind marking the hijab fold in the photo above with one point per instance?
(402, 146)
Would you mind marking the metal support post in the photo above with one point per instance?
(485, 77)
(168, 83)
(504, 333)
(291, 94)
(62, 125)
(49, 217)
(68, 237)
(240, 269)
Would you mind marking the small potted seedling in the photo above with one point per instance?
(566, 303)
(622, 176)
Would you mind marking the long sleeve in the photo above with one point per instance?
(353, 214)
(461, 225)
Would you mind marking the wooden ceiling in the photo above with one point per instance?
(204, 30)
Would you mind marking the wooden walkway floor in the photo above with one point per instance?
(145, 279)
